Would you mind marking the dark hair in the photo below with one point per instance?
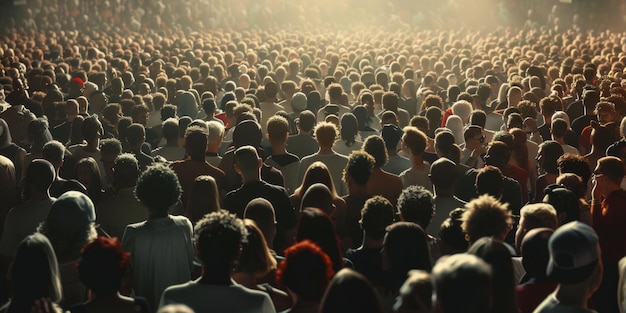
(196, 139)
(349, 128)
(350, 291)
(495, 253)
(135, 134)
(39, 175)
(91, 127)
(315, 225)
(203, 198)
(306, 270)
(375, 146)
(111, 146)
(451, 233)
(376, 215)
(219, 236)
(489, 181)
(416, 205)
(551, 151)
(158, 188)
(407, 249)
(102, 265)
(359, 167)
(575, 164)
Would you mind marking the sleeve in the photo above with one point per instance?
(190, 249)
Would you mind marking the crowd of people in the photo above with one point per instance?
(147, 166)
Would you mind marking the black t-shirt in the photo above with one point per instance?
(237, 200)
(284, 159)
(367, 261)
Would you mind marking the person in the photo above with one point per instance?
(303, 144)
(10, 149)
(219, 237)
(315, 225)
(325, 134)
(348, 140)
(414, 143)
(474, 147)
(495, 253)
(377, 214)
(269, 107)
(334, 92)
(319, 173)
(443, 175)
(92, 132)
(87, 173)
(171, 151)
(381, 182)
(535, 286)
(203, 198)
(121, 208)
(216, 136)
(248, 165)
(415, 294)
(549, 152)
(486, 217)
(70, 225)
(163, 243)
(38, 135)
(451, 276)
(136, 137)
(396, 164)
(416, 205)
(355, 176)
(54, 152)
(101, 268)
(187, 170)
(350, 291)
(607, 196)
(576, 265)
(287, 163)
(559, 131)
(34, 276)
(256, 262)
(23, 219)
(306, 273)
(405, 248)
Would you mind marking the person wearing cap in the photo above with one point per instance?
(69, 226)
(396, 163)
(608, 201)
(575, 263)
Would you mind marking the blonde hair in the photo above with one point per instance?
(485, 217)
(326, 133)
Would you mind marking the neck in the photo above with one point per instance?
(172, 143)
(248, 280)
(560, 140)
(572, 295)
(302, 132)
(250, 179)
(155, 215)
(371, 243)
(278, 148)
(610, 188)
(92, 145)
(326, 149)
(417, 161)
(213, 148)
(392, 152)
(444, 192)
(356, 190)
(213, 276)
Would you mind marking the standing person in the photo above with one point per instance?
(414, 143)
(608, 200)
(287, 163)
(161, 249)
(303, 144)
(576, 264)
(248, 165)
(219, 237)
(325, 134)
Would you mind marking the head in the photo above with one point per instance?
(34, 273)
(102, 265)
(92, 128)
(375, 146)
(196, 140)
(70, 224)
(489, 181)
(534, 252)
(451, 276)
(376, 215)
(495, 253)
(158, 189)
(277, 129)
(136, 135)
(315, 225)
(87, 173)
(255, 257)
(575, 164)
(405, 248)
(414, 141)
(549, 153)
(564, 201)
(54, 152)
(203, 198)
(39, 176)
(608, 174)
(415, 294)
(575, 257)
(486, 217)
(416, 205)
(443, 174)
(247, 162)
(348, 291)
(498, 154)
(325, 134)
(306, 270)
(262, 213)
(219, 240)
(536, 215)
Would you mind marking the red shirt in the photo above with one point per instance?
(608, 221)
(584, 141)
(521, 176)
(529, 296)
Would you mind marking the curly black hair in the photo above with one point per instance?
(158, 188)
